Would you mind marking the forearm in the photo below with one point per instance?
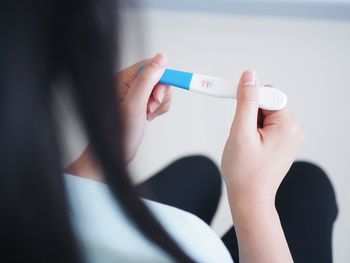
(259, 232)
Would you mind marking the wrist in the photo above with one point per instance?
(251, 204)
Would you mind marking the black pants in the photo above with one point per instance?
(305, 202)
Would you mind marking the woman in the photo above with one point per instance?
(50, 217)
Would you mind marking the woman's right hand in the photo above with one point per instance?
(257, 155)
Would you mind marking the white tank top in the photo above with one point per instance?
(107, 235)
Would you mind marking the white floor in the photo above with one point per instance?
(308, 59)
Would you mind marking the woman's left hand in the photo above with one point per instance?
(142, 98)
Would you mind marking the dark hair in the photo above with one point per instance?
(40, 41)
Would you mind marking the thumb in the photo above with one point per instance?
(148, 76)
(247, 102)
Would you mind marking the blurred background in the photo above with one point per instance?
(301, 47)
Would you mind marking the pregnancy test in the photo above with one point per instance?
(269, 98)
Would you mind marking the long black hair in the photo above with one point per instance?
(40, 41)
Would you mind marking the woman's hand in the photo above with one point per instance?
(261, 147)
(258, 153)
(141, 98)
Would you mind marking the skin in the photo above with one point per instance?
(142, 99)
(261, 147)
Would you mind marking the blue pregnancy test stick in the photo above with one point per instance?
(177, 78)
(269, 98)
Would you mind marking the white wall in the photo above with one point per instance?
(308, 59)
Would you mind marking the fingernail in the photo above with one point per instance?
(153, 106)
(161, 94)
(159, 60)
(248, 78)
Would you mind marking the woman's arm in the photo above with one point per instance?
(259, 151)
(259, 233)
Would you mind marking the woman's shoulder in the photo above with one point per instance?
(106, 234)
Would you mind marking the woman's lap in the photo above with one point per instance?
(192, 184)
(307, 207)
(305, 202)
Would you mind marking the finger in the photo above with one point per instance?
(277, 117)
(155, 109)
(146, 79)
(247, 103)
(152, 106)
(130, 73)
(161, 95)
(160, 92)
(159, 111)
(126, 76)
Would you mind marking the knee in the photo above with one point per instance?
(310, 175)
(204, 172)
(309, 183)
